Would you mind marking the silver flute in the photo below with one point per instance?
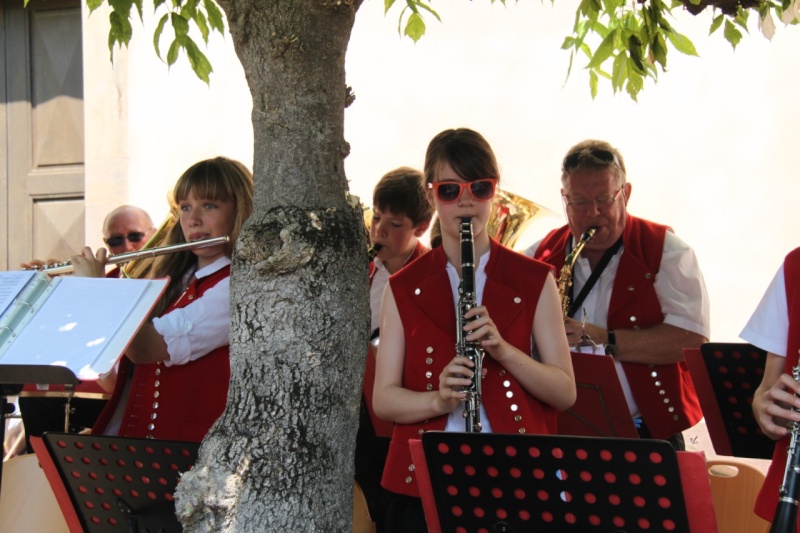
(464, 348)
(67, 267)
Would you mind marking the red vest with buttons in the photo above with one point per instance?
(665, 394)
(178, 402)
(768, 497)
(425, 302)
(382, 427)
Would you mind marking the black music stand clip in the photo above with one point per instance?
(550, 483)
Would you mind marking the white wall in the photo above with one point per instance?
(708, 149)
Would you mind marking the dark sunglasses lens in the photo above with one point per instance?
(135, 237)
(482, 190)
(115, 240)
(571, 161)
(448, 192)
(603, 155)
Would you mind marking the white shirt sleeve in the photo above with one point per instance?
(681, 289)
(198, 328)
(768, 328)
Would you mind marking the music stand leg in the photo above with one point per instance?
(6, 408)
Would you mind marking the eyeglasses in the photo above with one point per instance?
(117, 240)
(582, 204)
(573, 160)
(450, 191)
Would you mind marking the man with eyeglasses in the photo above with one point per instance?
(637, 290)
(126, 229)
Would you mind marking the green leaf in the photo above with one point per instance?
(91, 4)
(569, 42)
(603, 51)
(619, 73)
(682, 43)
(593, 83)
(716, 23)
(123, 7)
(635, 84)
(198, 60)
(157, 34)
(121, 30)
(200, 19)
(172, 54)
(179, 24)
(215, 15)
(659, 50)
(430, 10)
(732, 34)
(387, 5)
(415, 27)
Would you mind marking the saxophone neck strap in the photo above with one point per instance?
(576, 303)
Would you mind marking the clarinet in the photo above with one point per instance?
(469, 349)
(785, 519)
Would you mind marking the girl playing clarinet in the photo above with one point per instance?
(419, 379)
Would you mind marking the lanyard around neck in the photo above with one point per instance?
(596, 273)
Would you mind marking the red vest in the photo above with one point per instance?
(382, 427)
(178, 402)
(425, 302)
(665, 394)
(768, 497)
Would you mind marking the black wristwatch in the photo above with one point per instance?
(611, 345)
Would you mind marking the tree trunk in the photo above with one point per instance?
(281, 456)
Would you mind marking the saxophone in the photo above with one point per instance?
(785, 519)
(565, 276)
(469, 349)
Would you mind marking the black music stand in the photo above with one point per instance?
(107, 484)
(12, 379)
(726, 376)
(600, 409)
(553, 483)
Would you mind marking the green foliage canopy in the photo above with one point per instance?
(624, 42)
(634, 36)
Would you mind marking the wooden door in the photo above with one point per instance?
(43, 134)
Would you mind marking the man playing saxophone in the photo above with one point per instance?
(636, 289)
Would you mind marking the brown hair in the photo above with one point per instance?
(467, 152)
(221, 179)
(402, 191)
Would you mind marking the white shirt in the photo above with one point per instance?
(456, 420)
(185, 342)
(679, 286)
(379, 281)
(768, 327)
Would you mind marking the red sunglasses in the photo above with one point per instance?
(448, 192)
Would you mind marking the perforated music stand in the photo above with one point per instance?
(108, 484)
(726, 376)
(549, 483)
(600, 409)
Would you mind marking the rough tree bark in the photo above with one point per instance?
(281, 456)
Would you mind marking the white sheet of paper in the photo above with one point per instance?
(77, 322)
(11, 284)
(596, 350)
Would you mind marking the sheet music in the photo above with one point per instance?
(81, 316)
(11, 284)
